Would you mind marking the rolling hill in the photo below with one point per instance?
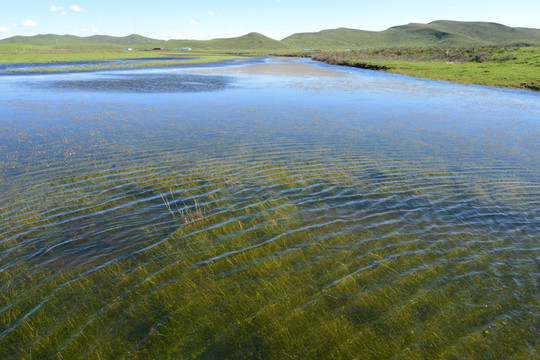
(435, 33)
(249, 42)
(440, 32)
(62, 40)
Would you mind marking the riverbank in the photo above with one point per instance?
(507, 67)
(38, 60)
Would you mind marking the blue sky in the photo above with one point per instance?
(208, 19)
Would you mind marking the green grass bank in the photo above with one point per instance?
(30, 54)
(508, 67)
(501, 66)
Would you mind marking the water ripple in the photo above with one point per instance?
(212, 228)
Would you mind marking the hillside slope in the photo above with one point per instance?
(442, 33)
(249, 42)
(62, 40)
(435, 33)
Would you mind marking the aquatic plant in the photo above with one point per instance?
(176, 228)
(187, 215)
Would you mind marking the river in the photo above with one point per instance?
(268, 208)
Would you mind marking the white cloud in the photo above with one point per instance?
(3, 28)
(76, 8)
(29, 23)
(193, 22)
(59, 9)
(423, 21)
(29, 34)
(513, 15)
(95, 30)
(211, 13)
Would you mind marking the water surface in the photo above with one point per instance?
(276, 209)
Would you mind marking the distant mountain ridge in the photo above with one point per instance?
(441, 32)
(52, 39)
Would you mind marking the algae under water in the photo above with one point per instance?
(277, 209)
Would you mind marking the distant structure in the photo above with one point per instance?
(185, 48)
(128, 49)
(306, 49)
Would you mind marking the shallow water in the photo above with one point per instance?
(85, 65)
(277, 208)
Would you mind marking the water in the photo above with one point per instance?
(275, 209)
(83, 65)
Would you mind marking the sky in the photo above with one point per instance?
(210, 19)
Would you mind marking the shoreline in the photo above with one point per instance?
(514, 75)
(517, 74)
(62, 67)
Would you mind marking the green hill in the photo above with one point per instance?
(338, 38)
(435, 33)
(70, 40)
(249, 42)
(441, 33)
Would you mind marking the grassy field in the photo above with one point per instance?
(15, 53)
(23, 53)
(510, 67)
(32, 54)
(480, 53)
(436, 33)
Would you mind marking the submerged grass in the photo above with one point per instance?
(250, 261)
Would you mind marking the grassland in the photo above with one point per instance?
(19, 53)
(33, 54)
(436, 33)
(464, 52)
(510, 66)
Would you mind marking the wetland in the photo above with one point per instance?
(267, 208)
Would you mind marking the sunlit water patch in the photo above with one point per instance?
(295, 210)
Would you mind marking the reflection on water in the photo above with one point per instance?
(307, 209)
